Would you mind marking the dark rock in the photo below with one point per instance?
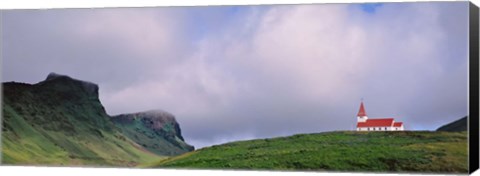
(66, 83)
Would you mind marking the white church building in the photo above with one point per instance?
(376, 124)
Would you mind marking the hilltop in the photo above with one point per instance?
(398, 151)
(60, 121)
(457, 125)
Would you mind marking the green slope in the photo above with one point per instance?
(407, 151)
(60, 121)
(458, 125)
(27, 145)
(156, 131)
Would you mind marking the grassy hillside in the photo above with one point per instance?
(458, 125)
(60, 121)
(156, 131)
(26, 144)
(408, 151)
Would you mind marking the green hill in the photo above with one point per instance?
(458, 125)
(405, 151)
(155, 130)
(60, 121)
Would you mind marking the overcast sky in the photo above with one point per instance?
(242, 72)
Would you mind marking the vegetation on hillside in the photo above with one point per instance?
(60, 121)
(399, 151)
(156, 131)
(457, 125)
(30, 144)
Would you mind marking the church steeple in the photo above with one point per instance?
(361, 112)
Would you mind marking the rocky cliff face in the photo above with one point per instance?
(58, 103)
(61, 121)
(155, 130)
(90, 89)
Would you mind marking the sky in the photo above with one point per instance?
(232, 73)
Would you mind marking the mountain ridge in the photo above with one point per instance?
(153, 129)
(61, 120)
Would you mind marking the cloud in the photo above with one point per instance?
(233, 73)
(114, 47)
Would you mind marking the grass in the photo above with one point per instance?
(48, 125)
(30, 146)
(408, 151)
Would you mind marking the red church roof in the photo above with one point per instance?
(362, 112)
(397, 124)
(386, 122)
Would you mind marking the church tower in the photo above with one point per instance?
(362, 115)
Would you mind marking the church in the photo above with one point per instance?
(376, 124)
